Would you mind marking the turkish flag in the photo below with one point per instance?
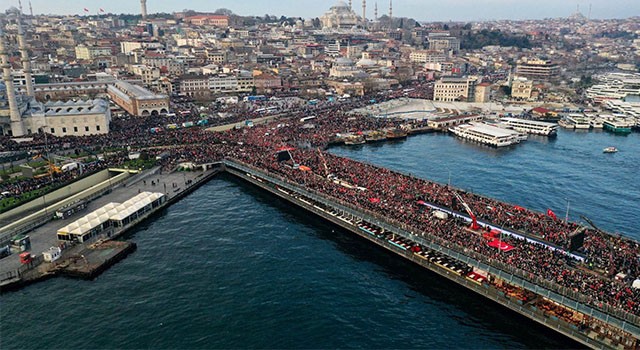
(552, 214)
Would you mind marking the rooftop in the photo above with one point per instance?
(135, 91)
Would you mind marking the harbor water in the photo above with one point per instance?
(232, 267)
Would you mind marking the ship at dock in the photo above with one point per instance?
(531, 126)
(375, 136)
(396, 134)
(617, 126)
(489, 135)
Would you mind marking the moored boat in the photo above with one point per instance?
(610, 149)
(488, 134)
(375, 136)
(531, 126)
(354, 140)
(618, 126)
(396, 133)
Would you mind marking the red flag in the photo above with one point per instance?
(101, 10)
(86, 9)
(552, 214)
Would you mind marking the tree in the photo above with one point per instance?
(224, 12)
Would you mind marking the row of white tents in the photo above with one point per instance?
(110, 215)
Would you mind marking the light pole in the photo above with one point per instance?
(566, 218)
(46, 150)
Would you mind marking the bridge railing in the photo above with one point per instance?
(566, 296)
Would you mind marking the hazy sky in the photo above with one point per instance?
(423, 10)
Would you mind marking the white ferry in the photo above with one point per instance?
(531, 126)
(578, 121)
(487, 134)
(596, 123)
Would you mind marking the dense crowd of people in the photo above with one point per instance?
(386, 193)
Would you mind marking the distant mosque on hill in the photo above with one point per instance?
(340, 16)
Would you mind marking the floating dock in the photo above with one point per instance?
(91, 261)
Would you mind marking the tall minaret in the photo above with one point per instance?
(26, 61)
(17, 129)
(30, 8)
(350, 5)
(20, 6)
(390, 9)
(143, 5)
(375, 11)
(364, 13)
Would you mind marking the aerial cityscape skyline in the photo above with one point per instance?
(456, 10)
(320, 175)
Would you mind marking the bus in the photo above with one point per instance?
(255, 98)
(266, 110)
(302, 120)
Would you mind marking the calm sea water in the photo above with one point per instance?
(232, 267)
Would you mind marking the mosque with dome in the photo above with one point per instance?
(340, 16)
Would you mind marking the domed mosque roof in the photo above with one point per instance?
(343, 61)
(366, 62)
(341, 4)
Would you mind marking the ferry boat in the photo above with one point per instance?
(610, 149)
(579, 122)
(618, 126)
(487, 134)
(531, 126)
(396, 133)
(566, 124)
(596, 123)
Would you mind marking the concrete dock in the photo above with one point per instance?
(89, 259)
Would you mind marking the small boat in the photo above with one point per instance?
(610, 149)
(354, 140)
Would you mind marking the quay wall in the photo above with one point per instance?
(270, 184)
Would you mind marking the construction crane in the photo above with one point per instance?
(474, 222)
(53, 168)
(324, 162)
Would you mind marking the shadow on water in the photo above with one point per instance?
(464, 306)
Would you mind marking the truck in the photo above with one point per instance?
(69, 167)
